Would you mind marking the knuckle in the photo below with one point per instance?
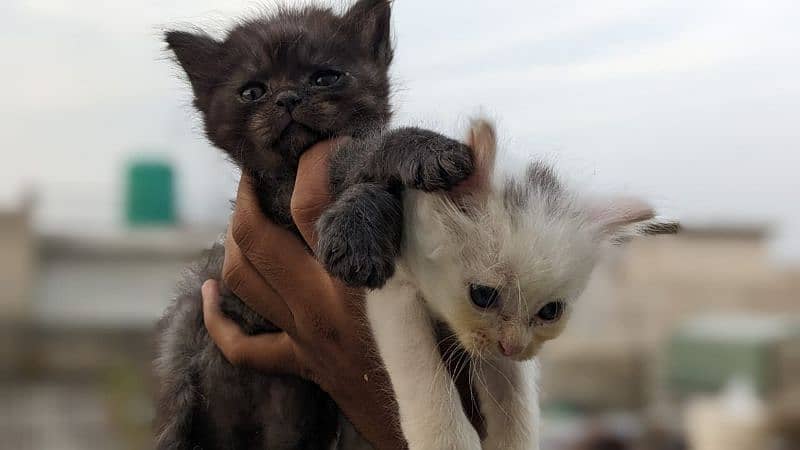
(266, 267)
(303, 209)
(242, 235)
(229, 355)
(233, 353)
(232, 275)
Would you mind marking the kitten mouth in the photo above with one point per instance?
(284, 123)
(295, 138)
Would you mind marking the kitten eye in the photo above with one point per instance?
(253, 92)
(551, 311)
(483, 296)
(325, 78)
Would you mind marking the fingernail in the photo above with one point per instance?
(210, 286)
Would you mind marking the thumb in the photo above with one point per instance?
(271, 352)
(312, 194)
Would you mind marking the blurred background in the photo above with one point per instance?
(107, 188)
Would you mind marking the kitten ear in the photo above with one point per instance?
(370, 20)
(623, 218)
(200, 57)
(482, 139)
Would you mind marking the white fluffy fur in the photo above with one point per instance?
(536, 246)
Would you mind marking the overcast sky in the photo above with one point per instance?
(692, 103)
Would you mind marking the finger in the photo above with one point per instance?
(243, 280)
(311, 194)
(274, 252)
(272, 352)
(221, 328)
(251, 228)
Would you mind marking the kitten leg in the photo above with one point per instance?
(431, 414)
(409, 157)
(422, 159)
(509, 403)
(359, 235)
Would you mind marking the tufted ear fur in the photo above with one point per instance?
(200, 56)
(622, 218)
(370, 20)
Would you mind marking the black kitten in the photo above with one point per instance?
(272, 88)
(277, 85)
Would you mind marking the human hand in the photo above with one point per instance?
(325, 338)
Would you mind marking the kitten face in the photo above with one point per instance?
(531, 268)
(278, 84)
(504, 264)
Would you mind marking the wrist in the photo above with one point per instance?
(379, 428)
(371, 408)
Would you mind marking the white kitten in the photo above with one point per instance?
(501, 262)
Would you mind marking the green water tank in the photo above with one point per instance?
(150, 193)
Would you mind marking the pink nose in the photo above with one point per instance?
(508, 348)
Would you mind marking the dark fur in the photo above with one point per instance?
(204, 402)
(361, 232)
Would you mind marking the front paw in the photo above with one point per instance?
(353, 254)
(440, 167)
(359, 238)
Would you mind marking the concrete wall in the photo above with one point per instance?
(609, 353)
(121, 280)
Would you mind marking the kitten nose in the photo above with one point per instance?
(288, 100)
(509, 348)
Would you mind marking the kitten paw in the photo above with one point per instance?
(440, 167)
(353, 255)
(359, 237)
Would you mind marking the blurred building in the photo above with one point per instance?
(17, 271)
(121, 279)
(619, 351)
(16, 263)
(80, 311)
(654, 283)
(76, 318)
